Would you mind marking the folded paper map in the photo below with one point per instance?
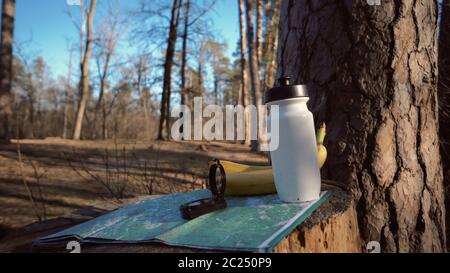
(254, 224)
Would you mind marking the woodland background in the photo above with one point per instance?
(380, 77)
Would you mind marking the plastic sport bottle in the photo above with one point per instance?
(294, 162)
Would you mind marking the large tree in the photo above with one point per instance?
(245, 94)
(272, 8)
(84, 79)
(253, 59)
(187, 8)
(6, 62)
(373, 79)
(444, 96)
(164, 121)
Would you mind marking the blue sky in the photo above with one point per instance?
(49, 27)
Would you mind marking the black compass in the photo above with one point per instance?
(217, 186)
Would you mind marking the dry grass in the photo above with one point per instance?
(66, 175)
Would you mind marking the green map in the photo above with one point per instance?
(255, 224)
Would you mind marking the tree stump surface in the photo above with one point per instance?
(331, 228)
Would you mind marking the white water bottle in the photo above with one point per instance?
(294, 162)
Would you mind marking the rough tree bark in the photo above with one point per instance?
(245, 94)
(444, 99)
(164, 120)
(6, 60)
(84, 80)
(372, 75)
(253, 57)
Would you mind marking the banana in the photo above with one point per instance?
(234, 168)
(322, 152)
(251, 183)
(247, 180)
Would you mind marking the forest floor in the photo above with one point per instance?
(64, 175)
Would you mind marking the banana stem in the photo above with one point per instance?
(321, 133)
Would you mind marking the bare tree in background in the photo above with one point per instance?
(141, 85)
(68, 96)
(220, 66)
(164, 122)
(187, 8)
(109, 34)
(259, 31)
(201, 55)
(6, 62)
(183, 93)
(444, 100)
(253, 57)
(84, 79)
(372, 76)
(245, 94)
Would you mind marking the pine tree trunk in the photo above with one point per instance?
(184, 52)
(273, 19)
(245, 94)
(373, 79)
(444, 98)
(84, 82)
(253, 57)
(183, 94)
(164, 120)
(6, 59)
(259, 30)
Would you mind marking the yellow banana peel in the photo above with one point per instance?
(250, 183)
(236, 168)
(247, 180)
(322, 152)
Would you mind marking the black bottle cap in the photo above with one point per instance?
(286, 91)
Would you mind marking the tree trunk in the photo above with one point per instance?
(372, 76)
(6, 60)
(184, 57)
(101, 104)
(259, 30)
(254, 71)
(216, 90)
(143, 92)
(84, 81)
(271, 43)
(245, 94)
(200, 77)
(164, 121)
(68, 97)
(104, 122)
(184, 52)
(444, 98)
